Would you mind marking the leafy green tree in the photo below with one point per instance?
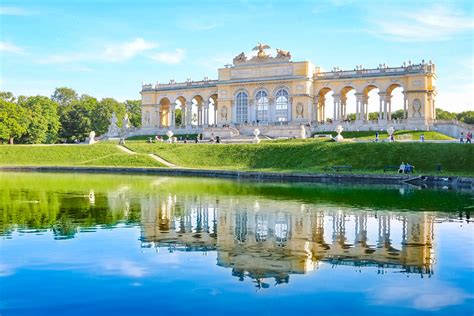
(43, 120)
(7, 96)
(466, 117)
(76, 118)
(445, 115)
(64, 96)
(178, 117)
(399, 114)
(13, 121)
(103, 112)
(134, 110)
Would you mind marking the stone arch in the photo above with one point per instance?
(281, 87)
(180, 111)
(397, 107)
(164, 112)
(369, 100)
(348, 101)
(324, 99)
(196, 111)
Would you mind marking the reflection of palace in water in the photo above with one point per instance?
(273, 239)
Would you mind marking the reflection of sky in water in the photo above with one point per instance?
(187, 253)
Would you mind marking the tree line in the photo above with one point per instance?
(64, 117)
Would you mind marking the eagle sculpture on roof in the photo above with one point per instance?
(261, 50)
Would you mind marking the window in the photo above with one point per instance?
(281, 103)
(241, 107)
(262, 106)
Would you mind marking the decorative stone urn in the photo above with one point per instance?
(256, 132)
(170, 135)
(390, 132)
(339, 137)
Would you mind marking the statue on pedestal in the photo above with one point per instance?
(113, 127)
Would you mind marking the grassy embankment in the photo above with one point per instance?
(399, 135)
(102, 154)
(294, 156)
(314, 156)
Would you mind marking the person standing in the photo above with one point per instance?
(376, 137)
(422, 138)
(469, 137)
(461, 138)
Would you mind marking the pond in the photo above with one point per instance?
(88, 244)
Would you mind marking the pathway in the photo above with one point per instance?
(125, 149)
(153, 156)
(164, 162)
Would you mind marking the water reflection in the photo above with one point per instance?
(266, 239)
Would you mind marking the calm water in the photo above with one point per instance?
(132, 245)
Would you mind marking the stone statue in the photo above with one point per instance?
(283, 54)
(91, 137)
(113, 127)
(416, 108)
(240, 58)
(299, 110)
(125, 122)
(224, 114)
(261, 50)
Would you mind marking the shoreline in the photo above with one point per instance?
(416, 180)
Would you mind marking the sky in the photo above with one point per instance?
(108, 48)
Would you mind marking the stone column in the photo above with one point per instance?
(158, 117)
(189, 114)
(388, 100)
(405, 105)
(206, 113)
(382, 96)
(343, 106)
(359, 106)
(316, 109)
(337, 101)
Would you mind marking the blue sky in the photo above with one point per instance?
(107, 48)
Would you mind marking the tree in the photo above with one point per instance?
(445, 115)
(76, 118)
(103, 112)
(13, 122)
(466, 117)
(178, 117)
(399, 114)
(7, 96)
(43, 120)
(64, 96)
(134, 110)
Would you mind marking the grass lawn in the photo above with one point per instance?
(101, 154)
(399, 135)
(314, 156)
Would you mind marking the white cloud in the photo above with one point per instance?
(175, 57)
(127, 50)
(14, 11)
(116, 52)
(124, 268)
(429, 297)
(7, 47)
(429, 24)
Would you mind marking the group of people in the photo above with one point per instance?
(406, 168)
(468, 137)
(377, 137)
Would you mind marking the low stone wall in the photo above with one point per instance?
(465, 183)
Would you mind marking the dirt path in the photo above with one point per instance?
(161, 160)
(125, 149)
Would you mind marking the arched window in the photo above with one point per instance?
(262, 106)
(241, 107)
(281, 104)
